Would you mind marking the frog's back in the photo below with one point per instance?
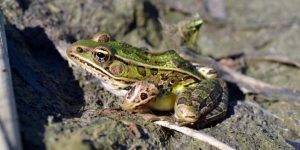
(168, 60)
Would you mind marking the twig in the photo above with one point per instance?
(274, 58)
(8, 113)
(245, 83)
(251, 85)
(262, 56)
(196, 134)
(185, 130)
(3, 141)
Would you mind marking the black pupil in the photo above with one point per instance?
(100, 55)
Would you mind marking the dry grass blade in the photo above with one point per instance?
(196, 134)
(250, 85)
(245, 83)
(8, 114)
(274, 58)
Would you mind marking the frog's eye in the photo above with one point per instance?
(101, 54)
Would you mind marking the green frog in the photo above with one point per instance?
(150, 82)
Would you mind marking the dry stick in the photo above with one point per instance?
(263, 56)
(196, 134)
(8, 114)
(251, 85)
(245, 83)
(3, 141)
(185, 130)
(275, 58)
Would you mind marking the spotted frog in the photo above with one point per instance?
(153, 82)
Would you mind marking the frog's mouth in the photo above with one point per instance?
(90, 67)
(93, 68)
(116, 85)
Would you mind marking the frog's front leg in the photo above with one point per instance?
(141, 93)
(196, 100)
(140, 98)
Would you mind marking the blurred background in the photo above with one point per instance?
(56, 102)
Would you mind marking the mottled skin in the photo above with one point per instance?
(153, 81)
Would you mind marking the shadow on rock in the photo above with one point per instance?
(235, 94)
(43, 83)
(24, 4)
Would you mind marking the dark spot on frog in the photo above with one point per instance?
(196, 92)
(127, 51)
(144, 96)
(154, 71)
(212, 71)
(202, 105)
(128, 88)
(79, 49)
(219, 109)
(164, 77)
(130, 93)
(181, 100)
(116, 69)
(160, 87)
(125, 45)
(99, 103)
(173, 81)
(171, 51)
(141, 71)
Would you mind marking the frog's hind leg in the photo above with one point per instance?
(198, 99)
(219, 111)
(141, 98)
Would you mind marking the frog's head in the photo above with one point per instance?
(98, 56)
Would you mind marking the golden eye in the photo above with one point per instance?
(101, 54)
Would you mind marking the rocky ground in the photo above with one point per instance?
(58, 104)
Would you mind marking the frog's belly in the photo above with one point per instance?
(163, 103)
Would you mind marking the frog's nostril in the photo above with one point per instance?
(79, 49)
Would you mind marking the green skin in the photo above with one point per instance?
(153, 81)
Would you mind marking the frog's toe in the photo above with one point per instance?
(149, 117)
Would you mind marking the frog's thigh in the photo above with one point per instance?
(197, 99)
(221, 109)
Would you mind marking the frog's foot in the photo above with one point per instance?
(139, 95)
(184, 123)
(206, 71)
(197, 100)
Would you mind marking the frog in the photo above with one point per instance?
(151, 82)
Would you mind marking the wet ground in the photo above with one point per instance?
(57, 103)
